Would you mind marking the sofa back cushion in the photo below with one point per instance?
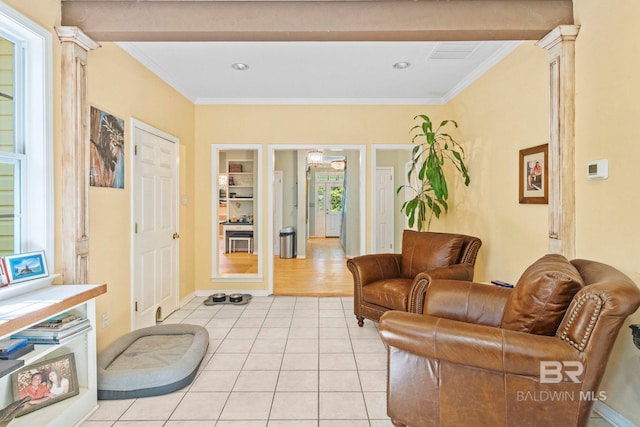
(423, 251)
(542, 295)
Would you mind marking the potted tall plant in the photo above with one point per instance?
(426, 177)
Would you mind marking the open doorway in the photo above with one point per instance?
(306, 191)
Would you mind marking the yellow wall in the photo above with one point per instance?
(607, 107)
(503, 112)
(121, 86)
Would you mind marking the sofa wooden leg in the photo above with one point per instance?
(360, 321)
(397, 423)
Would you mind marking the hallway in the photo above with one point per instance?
(322, 273)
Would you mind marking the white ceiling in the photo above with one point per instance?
(319, 72)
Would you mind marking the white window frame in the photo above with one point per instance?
(34, 128)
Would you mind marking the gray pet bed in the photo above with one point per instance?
(151, 361)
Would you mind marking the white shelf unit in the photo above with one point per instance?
(240, 188)
(22, 310)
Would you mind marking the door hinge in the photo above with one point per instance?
(136, 228)
(135, 150)
(136, 307)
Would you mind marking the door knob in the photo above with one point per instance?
(176, 236)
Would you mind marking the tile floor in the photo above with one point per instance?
(275, 362)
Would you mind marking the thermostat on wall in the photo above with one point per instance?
(598, 169)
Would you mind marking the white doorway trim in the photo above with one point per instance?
(277, 212)
(136, 124)
(270, 202)
(374, 164)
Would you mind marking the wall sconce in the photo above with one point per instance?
(315, 158)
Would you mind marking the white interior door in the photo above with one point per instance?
(333, 209)
(155, 245)
(384, 212)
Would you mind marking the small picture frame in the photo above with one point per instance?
(46, 382)
(534, 175)
(4, 279)
(26, 266)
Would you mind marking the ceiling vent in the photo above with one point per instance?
(454, 50)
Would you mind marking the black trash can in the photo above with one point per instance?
(287, 243)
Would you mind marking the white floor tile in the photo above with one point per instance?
(298, 381)
(215, 381)
(342, 406)
(339, 381)
(153, 408)
(256, 381)
(200, 406)
(243, 405)
(263, 361)
(294, 406)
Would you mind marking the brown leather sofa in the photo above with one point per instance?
(385, 282)
(484, 355)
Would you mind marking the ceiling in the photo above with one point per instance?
(327, 72)
(317, 51)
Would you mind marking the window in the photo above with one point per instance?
(26, 171)
(11, 156)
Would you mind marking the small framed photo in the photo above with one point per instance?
(45, 382)
(534, 175)
(27, 266)
(4, 279)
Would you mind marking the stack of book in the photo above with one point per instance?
(11, 349)
(55, 329)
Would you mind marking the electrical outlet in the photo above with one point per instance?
(105, 320)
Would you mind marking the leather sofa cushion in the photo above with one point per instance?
(542, 295)
(389, 293)
(426, 251)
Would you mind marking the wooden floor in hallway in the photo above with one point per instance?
(322, 273)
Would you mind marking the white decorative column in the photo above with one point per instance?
(75, 154)
(560, 43)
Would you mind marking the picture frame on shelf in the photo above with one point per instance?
(533, 179)
(46, 382)
(26, 266)
(4, 278)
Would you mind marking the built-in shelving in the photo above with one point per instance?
(37, 302)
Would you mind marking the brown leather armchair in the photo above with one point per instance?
(385, 282)
(491, 356)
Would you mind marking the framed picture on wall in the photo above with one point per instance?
(534, 175)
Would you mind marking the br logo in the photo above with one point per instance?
(552, 371)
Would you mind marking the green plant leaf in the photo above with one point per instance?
(432, 150)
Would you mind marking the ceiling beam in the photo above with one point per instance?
(381, 20)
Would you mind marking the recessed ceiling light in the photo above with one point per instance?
(401, 65)
(239, 66)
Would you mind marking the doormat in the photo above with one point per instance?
(234, 299)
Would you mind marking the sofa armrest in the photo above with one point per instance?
(371, 268)
(422, 281)
(484, 347)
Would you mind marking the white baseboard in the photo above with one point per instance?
(184, 301)
(611, 416)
